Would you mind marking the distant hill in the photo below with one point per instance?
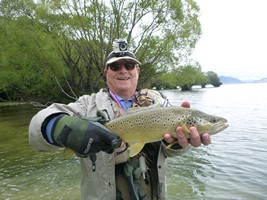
(231, 80)
(263, 80)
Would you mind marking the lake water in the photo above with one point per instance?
(234, 166)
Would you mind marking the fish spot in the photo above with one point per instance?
(192, 121)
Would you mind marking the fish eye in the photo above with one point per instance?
(213, 120)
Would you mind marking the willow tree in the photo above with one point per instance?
(188, 76)
(162, 34)
(213, 79)
(28, 56)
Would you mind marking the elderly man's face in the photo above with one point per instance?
(122, 77)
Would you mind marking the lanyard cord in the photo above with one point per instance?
(113, 96)
(125, 104)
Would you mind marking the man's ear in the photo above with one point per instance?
(105, 71)
(138, 68)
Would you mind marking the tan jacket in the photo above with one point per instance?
(99, 184)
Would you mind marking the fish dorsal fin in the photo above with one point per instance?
(137, 109)
(135, 148)
(133, 110)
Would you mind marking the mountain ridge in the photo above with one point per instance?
(232, 80)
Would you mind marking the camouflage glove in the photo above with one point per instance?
(84, 135)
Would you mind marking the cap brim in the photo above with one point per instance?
(114, 59)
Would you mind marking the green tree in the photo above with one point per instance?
(187, 76)
(29, 61)
(213, 79)
(165, 81)
(201, 78)
(75, 36)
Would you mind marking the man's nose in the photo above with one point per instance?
(122, 67)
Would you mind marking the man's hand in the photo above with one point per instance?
(84, 136)
(195, 139)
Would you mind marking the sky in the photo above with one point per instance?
(234, 38)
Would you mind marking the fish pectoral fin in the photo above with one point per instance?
(135, 148)
(185, 130)
(68, 153)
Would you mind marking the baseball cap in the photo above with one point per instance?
(120, 52)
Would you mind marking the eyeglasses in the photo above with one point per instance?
(117, 66)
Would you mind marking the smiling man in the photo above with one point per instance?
(106, 169)
(122, 75)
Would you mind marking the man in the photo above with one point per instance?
(107, 171)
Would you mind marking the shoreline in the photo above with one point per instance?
(12, 103)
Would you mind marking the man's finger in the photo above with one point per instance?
(194, 137)
(168, 138)
(205, 138)
(182, 139)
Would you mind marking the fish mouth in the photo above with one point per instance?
(218, 127)
(225, 125)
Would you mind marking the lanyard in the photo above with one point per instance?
(113, 96)
(117, 100)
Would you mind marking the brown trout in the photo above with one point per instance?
(147, 125)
